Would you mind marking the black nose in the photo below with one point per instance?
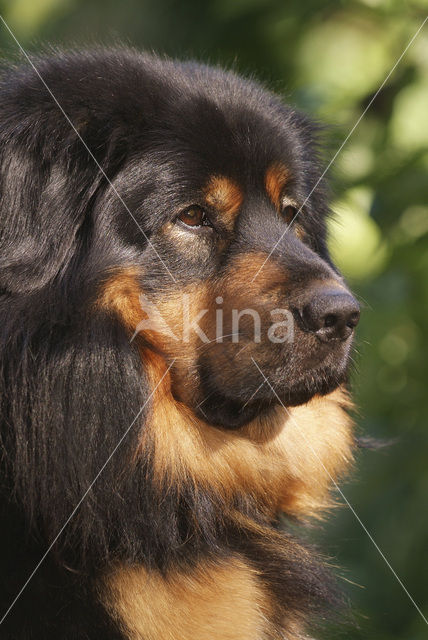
(331, 314)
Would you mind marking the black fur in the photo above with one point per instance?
(71, 382)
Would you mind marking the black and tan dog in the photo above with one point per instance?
(159, 465)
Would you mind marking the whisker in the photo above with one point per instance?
(253, 394)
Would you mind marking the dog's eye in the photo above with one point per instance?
(193, 216)
(289, 213)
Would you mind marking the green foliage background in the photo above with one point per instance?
(329, 58)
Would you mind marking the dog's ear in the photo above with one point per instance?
(49, 176)
(46, 194)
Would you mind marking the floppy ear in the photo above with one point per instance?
(46, 192)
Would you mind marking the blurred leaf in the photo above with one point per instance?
(356, 241)
(26, 16)
(409, 124)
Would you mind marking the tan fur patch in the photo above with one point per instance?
(286, 461)
(241, 284)
(319, 442)
(223, 601)
(120, 293)
(226, 196)
(275, 180)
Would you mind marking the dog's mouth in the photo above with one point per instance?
(317, 379)
(261, 355)
(239, 382)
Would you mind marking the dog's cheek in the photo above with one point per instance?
(164, 327)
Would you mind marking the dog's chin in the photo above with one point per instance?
(232, 412)
(305, 390)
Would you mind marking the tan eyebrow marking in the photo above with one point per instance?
(224, 194)
(276, 178)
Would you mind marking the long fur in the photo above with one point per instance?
(183, 518)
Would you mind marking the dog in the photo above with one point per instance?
(175, 345)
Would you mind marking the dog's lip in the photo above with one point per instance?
(302, 392)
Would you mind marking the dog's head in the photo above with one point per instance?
(225, 232)
(160, 221)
